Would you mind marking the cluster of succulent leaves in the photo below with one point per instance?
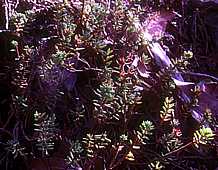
(85, 89)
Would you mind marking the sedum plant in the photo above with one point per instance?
(116, 84)
(203, 136)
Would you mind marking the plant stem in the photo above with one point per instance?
(179, 149)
